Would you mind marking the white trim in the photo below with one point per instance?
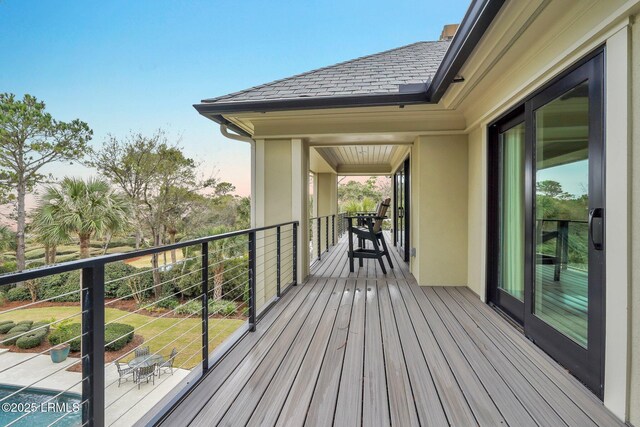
(617, 189)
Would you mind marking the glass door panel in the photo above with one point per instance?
(512, 212)
(561, 281)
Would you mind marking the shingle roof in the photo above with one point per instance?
(381, 73)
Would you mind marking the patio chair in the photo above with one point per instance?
(146, 373)
(124, 373)
(168, 364)
(142, 351)
(369, 228)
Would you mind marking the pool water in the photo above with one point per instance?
(42, 412)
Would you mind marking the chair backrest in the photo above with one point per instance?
(147, 370)
(118, 367)
(380, 213)
(142, 351)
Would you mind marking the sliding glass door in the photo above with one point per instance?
(546, 219)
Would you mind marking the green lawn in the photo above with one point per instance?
(160, 334)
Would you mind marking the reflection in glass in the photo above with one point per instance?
(561, 212)
(511, 251)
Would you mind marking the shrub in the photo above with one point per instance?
(235, 286)
(225, 308)
(67, 332)
(6, 327)
(192, 307)
(3, 298)
(11, 337)
(168, 303)
(117, 335)
(115, 287)
(32, 339)
(25, 322)
(121, 334)
(7, 267)
(41, 326)
(61, 288)
(19, 328)
(18, 294)
(4, 322)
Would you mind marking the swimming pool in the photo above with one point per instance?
(42, 412)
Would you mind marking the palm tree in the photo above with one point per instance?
(49, 234)
(221, 251)
(86, 209)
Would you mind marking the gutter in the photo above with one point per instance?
(475, 23)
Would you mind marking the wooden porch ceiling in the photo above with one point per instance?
(366, 349)
(361, 159)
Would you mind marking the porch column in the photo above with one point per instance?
(327, 202)
(280, 195)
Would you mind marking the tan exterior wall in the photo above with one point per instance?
(280, 189)
(634, 392)
(327, 202)
(439, 187)
(477, 216)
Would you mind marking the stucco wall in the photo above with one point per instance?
(634, 392)
(439, 209)
(477, 213)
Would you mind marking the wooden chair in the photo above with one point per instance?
(369, 228)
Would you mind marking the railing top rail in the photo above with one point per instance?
(581, 221)
(323, 216)
(64, 267)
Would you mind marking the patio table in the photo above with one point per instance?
(146, 360)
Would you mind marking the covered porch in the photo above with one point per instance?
(363, 348)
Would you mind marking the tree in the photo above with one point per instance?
(7, 241)
(48, 233)
(224, 188)
(159, 180)
(552, 189)
(31, 138)
(219, 252)
(85, 209)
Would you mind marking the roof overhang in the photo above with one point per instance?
(475, 23)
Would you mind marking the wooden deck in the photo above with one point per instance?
(364, 349)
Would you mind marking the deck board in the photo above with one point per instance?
(365, 349)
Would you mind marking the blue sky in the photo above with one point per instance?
(140, 65)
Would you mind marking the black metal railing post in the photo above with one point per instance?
(319, 238)
(205, 307)
(93, 345)
(278, 261)
(333, 230)
(326, 233)
(252, 281)
(295, 254)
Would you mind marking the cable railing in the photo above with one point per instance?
(324, 232)
(127, 331)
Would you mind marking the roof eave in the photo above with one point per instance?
(475, 23)
(376, 100)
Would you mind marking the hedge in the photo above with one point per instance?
(25, 322)
(19, 328)
(18, 294)
(32, 339)
(11, 337)
(117, 335)
(6, 327)
(121, 334)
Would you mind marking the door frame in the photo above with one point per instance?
(587, 365)
(406, 172)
